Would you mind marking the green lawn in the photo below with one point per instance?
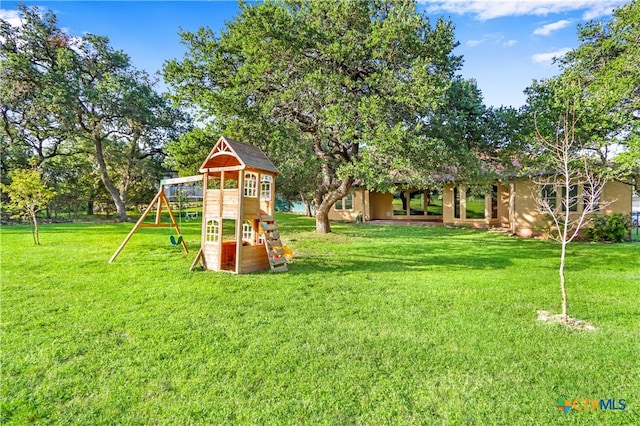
(371, 325)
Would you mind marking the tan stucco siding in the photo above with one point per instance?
(381, 205)
(360, 207)
(529, 220)
(620, 196)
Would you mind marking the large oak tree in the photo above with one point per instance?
(70, 96)
(349, 88)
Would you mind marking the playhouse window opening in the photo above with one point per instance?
(251, 185)
(265, 187)
(231, 180)
(213, 182)
(247, 232)
(228, 230)
(212, 230)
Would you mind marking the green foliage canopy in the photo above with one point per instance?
(69, 96)
(600, 84)
(28, 195)
(348, 88)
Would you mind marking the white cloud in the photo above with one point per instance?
(476, 42)
(486, 9)
(11, 16)
(496, 39)
(540, 58)
(599, 10)
(549, 28)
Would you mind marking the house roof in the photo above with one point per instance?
(232, 154)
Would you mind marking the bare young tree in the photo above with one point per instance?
(570, 188)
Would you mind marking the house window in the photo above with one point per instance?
(416, 203)
(434, 203)
(494, 201)
(589, 198)
(265, 187)
(345, 203)
(247, 231)
(213, 230)
(572, 199)
(475, 205)
(251, 184)
(399, 203)
(549, 196)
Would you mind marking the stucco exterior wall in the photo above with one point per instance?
(530, 221)
(360, 206)
(381, 205)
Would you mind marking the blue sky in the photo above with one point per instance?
(505, 44)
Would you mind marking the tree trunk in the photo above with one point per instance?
(108, 183)
(307, 205)
(36, 237)
(323, 202)
(563, 289)
(322, 221)
(90, 208)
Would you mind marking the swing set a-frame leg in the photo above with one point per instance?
(158, 199)
(199, 259)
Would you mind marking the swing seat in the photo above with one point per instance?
(175, 241)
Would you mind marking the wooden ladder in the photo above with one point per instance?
(273, 244)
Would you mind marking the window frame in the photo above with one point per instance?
(547, 193)
(266, 187)
(250, 185)
(573, 195)
(341, 204)
(212, 228)
(248, 231)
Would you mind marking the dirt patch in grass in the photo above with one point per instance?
(575, 323)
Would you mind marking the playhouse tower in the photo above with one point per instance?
(239, 233)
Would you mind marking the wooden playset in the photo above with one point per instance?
(239, 232)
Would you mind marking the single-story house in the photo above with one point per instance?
(510, 205)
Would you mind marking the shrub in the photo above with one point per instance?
(614, 228)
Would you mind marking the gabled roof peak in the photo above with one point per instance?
(232, 154)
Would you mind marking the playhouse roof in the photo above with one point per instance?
(233, 155)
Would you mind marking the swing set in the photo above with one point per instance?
(160, 202)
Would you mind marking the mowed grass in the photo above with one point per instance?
(371, 325)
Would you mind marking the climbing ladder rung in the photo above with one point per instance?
(277, 251)
(273, 236)
(272, 244)
(279, 261)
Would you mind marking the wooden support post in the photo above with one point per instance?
(157, 201)
(200, 258)
(173, 222)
